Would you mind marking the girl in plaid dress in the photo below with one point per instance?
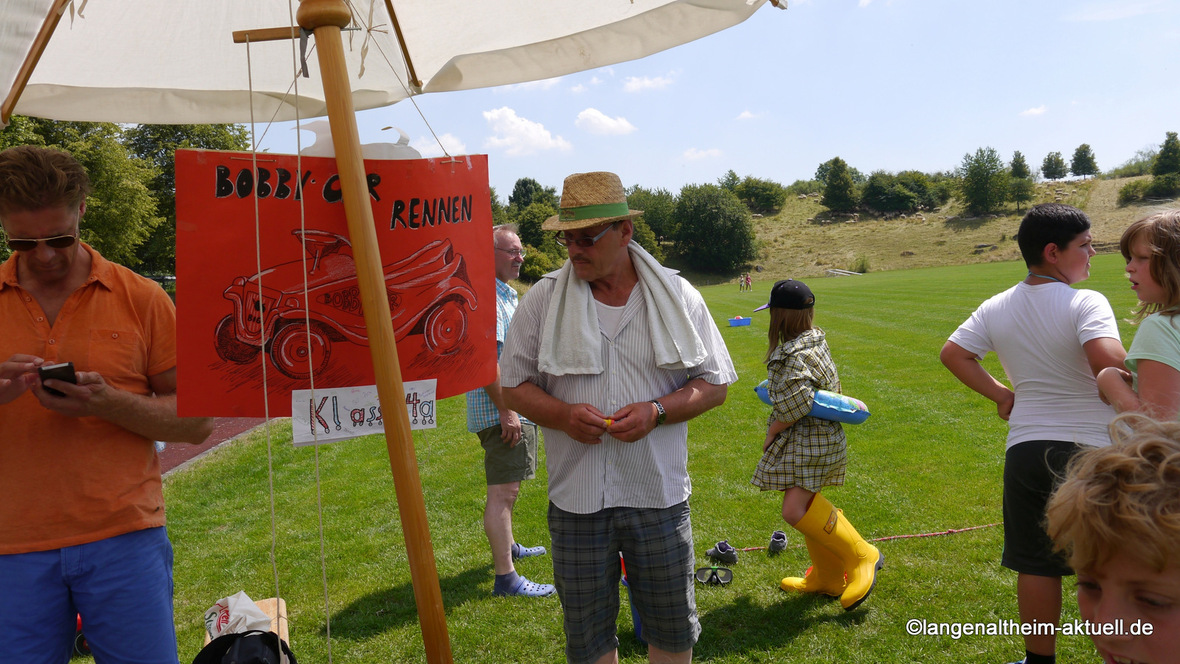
(802, 454)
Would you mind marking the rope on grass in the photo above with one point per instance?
(950, 531)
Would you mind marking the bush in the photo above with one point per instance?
(861, 264)
(1132, 191)
(931, 193)
(805, 187)
(885, 193)
(761, 195)
(537, 264)
(1163, 186)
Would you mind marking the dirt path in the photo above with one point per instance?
(224, 428)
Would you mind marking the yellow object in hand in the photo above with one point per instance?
(608, 421)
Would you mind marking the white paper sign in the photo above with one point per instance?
(349, 412)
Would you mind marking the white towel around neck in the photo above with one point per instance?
(572, 344)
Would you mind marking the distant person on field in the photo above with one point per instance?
(509, 443)
(612, 355)
(1117, 516)
(1151, 381)
(802, 454)
(82, 523)
(1052, 340)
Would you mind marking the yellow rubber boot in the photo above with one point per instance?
(824, 577)
(861, 560)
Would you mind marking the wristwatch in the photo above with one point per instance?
(661, 414)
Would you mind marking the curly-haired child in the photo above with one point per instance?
(1117, 516)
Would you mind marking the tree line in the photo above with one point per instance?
(131, 218)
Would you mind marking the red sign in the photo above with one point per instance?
(272, 296)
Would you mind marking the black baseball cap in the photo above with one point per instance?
(789, 294)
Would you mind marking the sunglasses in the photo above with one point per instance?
(584, 242)
(714, 576)
(55, 242)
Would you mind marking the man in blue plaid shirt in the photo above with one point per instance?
(509, 442)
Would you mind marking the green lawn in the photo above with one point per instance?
(928, 460)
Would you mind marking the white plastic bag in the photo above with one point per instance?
(237, 613)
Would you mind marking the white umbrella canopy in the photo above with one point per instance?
(174, 61)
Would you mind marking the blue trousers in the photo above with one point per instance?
(121, 586)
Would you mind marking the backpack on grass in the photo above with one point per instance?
(252, 647)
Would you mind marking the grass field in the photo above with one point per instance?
(927, 461)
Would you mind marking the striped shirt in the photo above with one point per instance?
(481, 412)
(649, 473)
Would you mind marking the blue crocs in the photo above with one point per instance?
(522, 586)
(519, 551)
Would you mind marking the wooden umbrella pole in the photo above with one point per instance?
(31, 59)
(325, 18)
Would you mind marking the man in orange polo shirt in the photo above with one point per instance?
(82, 518)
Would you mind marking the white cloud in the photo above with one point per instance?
(594, 80)
(519, 136)
(863, 3)
(597, 122)
(641, 83)
(693, 154)
(747, 115)
(1113, 11)
(578, 89)
(430, 148)
(1039, 110)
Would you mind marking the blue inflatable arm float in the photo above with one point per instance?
(827, 405)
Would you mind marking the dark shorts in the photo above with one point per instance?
(657, 548)
(503, 464)
(1032, 470)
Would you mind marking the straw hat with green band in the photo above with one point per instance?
(590, 199)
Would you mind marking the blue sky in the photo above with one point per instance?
(885, 84)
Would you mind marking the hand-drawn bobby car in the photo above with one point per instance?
(429, 294)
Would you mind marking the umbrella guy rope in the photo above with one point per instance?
(326, 18)
(951, 531)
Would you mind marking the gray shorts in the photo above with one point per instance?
(657, 549)
(503, 464)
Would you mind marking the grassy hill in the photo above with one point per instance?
(794, 245)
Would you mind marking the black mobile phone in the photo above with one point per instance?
(63, 371)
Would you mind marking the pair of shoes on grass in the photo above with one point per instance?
(512, 584)
(725, 553)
